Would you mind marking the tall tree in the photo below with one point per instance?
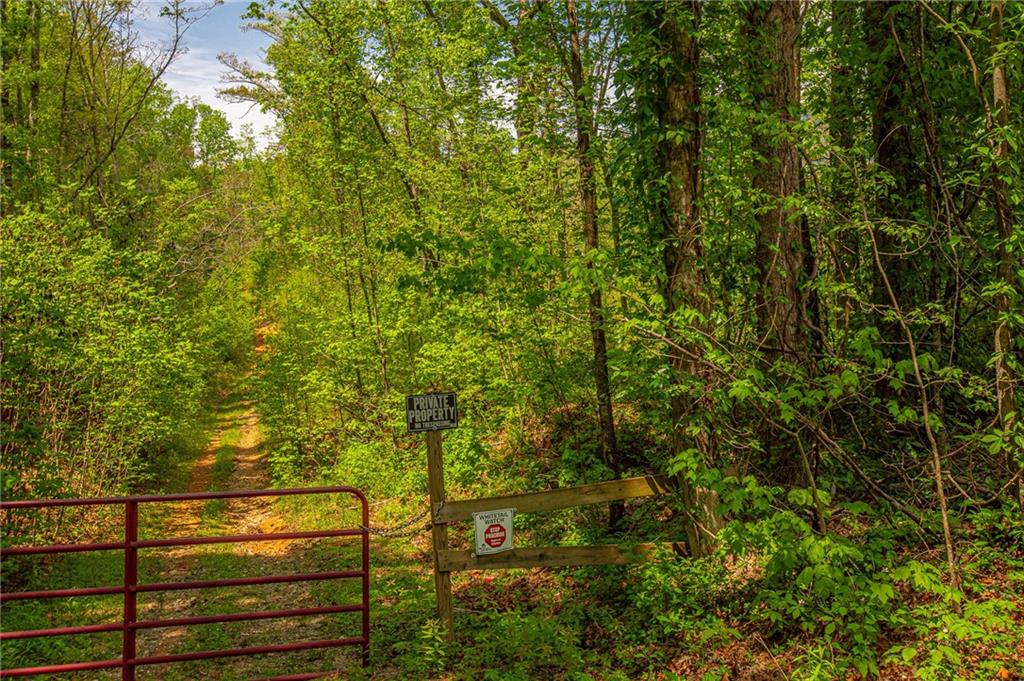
(679, 123)
(525, 118)
(886, 25)
(774, 29)
(1004, 225)
(583, 103)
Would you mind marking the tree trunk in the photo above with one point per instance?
(843, 78)
(1004, 223)
(372, 306)
(775, 31)
(679, 159)
(588, 205)
(847, 42)
(891, 126)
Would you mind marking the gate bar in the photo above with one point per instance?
(184, 496)
(180, 622)
(130, 588)
(179, 586)
(131, 578)
(177, 541)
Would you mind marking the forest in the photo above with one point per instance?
(770, 249)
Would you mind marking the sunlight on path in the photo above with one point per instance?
(236, 459)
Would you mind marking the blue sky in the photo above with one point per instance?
(197, 73)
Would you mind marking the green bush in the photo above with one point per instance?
(518, 646)
(682, 598)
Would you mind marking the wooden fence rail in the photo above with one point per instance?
(554, 556)
(447, 561)
(554, 499)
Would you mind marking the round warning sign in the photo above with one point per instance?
(494, 535)
(493, 530)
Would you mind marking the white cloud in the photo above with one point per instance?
(197, 73)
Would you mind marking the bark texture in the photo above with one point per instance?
(887, 23)
(679, 157)
(775, 30)
(588, 204)
(1004, 224)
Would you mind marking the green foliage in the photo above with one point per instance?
(433, 649)
(417, 226)
(948, 624)
(215, 148)
(90, 325)
(684, 599)
(122, 284)
(1000, 527)
(521, 646)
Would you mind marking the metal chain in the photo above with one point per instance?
(403, 529)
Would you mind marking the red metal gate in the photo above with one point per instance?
(130, 589)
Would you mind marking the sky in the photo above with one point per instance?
(197, 73)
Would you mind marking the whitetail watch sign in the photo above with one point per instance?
(493, 531)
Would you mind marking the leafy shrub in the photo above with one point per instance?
(830, 586)
(1001, 526)
(681, 597)
(429, 653)
(380, 468)
(520, 646)
(949, 623)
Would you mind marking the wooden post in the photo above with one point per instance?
(442, 578)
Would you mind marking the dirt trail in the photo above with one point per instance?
(239, 422)
(248, 470)
(235, 459)
(246, 457)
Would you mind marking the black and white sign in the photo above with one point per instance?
(436, 411)
(493, 530)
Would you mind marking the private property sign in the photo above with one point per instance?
(493, 530)
(436, 411)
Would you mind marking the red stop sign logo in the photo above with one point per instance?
(494, 535)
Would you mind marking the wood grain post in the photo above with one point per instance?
(442, 578)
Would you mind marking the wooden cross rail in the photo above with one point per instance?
(554, 499)
(554, 556)
(447, 561)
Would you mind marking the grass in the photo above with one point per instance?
(220, 473)
(517, 624)
(571, 624)
(101, 568)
